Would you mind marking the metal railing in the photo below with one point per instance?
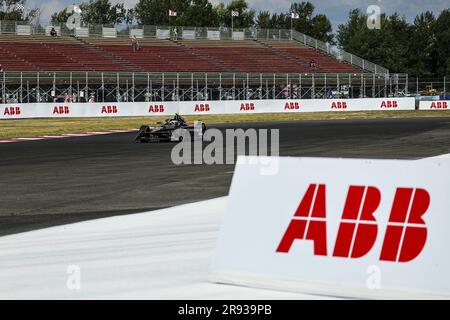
(339, 54)
(25, 87)
(222, 33)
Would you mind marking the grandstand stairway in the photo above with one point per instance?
(287, 55)
(300, 52)
(117, 61)
(223, 67)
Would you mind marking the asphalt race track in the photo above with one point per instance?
(58, 181)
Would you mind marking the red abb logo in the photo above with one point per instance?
(439, 105)
(156, 108)
(339, 105)
(291, 106)
(406, 231)
(109, 109)
(247, 107)
(202, 108)
(389, 104)
(61, 110)
(11, 111)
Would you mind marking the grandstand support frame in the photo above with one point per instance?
(23, 87)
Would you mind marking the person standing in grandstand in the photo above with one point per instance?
(53, 32)
(134, 43)
(1, 68)
(138, 46)
(175, 33)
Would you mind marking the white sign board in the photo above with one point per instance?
(434, 105)
(82, 32)
(345, 227)
(109, 32)
(188, 34)
(162, 33)
(23, 30)
(213, 35)
(138, 33)
(238, 35)
(45, 110)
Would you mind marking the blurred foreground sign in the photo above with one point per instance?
(342, 227)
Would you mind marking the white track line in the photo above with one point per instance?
(66, 135)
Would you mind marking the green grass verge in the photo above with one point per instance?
(37, 127)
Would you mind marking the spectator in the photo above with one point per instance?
(1, 68)
(134, 44)
(312, 64)
(175, 33)
(53, 32)
(285, 91)
(91, 99)
(138, 46)
(294, 92)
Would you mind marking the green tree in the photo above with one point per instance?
(59, 17)
(305, 10)
(95, 12)
(322, 29)
(263, 20)
(387, 46)
(103, 12)
(130, 16)
(317, 26)
(442, 30)
(394, 43)
(422, 46)
(280, 21)
(349, 33)
(9, 11)
(199, 13)
(156, 12)
(245, 18)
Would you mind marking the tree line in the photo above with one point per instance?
(420, 48)
(201, 13)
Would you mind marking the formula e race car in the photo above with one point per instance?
(169, 131)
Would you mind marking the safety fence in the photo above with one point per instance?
(30, 87)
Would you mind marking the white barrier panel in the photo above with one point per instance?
(238, 35)
(434, 105)
(55, 110)
(138, 33)
(345, 227)
(213, 35)
(162, 33)
(73, 110)
(23, 30)
(82, 32)
(109, 32)
(188, 34)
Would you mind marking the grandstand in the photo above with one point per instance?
(65, 53)
(200, 64)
